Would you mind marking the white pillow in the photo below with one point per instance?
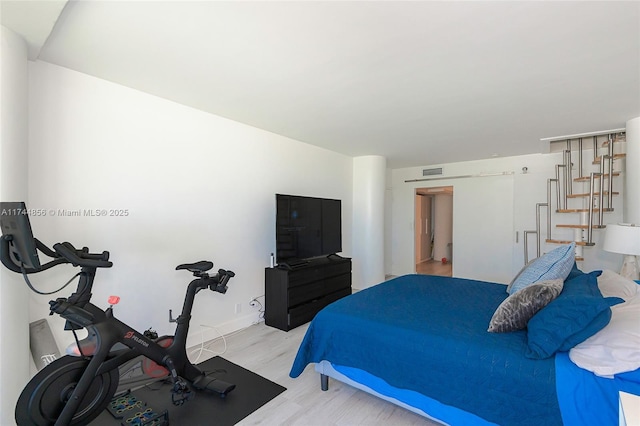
(616, 348)
(615, 285)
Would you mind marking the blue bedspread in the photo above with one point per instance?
(429, 334)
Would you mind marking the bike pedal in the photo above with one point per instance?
(181, 393)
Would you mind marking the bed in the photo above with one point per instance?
(422, 342)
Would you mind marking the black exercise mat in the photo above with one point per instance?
(252, 392)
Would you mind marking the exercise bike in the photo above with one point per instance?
(74, 390)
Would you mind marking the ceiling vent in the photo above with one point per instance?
(432, 172)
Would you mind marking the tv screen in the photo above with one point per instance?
(307, 227)
(14, 221)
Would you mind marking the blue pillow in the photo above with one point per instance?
(581, 284)
(576, 314)
(556, 264)
(575, 272)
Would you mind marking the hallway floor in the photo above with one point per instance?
(434, 267)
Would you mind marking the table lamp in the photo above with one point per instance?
(624, 238)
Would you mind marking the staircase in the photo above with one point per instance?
(578, 195)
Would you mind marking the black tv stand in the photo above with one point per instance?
(293, 296)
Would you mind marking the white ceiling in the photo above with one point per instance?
(33, 19)
(418, 82)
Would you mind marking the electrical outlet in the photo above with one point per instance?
(238, 307)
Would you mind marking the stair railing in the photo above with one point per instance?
(610, 152)
(526, 246)
(564, 188)
(559, 197)
(568, 167)
(580, 157)
(591, 201)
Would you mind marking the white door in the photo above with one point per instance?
(483, 237)
(423, 227)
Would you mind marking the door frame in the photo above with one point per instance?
(433, 192)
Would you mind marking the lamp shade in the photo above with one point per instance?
(622, 238)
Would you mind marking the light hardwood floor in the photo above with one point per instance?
(434, 267)
(270, 352)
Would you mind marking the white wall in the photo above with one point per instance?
(487, 213)
(388, 221)
(196, 186)
(369, 175)
(14, 318)
(632, 207)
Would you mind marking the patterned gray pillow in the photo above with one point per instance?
(516, 310)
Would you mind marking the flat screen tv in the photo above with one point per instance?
(307, 227)
(14, 221)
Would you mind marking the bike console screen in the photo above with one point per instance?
(15, 224)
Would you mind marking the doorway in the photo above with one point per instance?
(434, 231)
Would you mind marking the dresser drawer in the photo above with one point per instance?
(305, 313)
(316, 289)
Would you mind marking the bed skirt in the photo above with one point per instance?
(408, 399)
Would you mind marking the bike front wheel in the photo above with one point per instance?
(44, 397)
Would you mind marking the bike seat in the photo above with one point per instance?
(202, 266)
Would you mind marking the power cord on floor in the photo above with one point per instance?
(203, 348)
(255, 303)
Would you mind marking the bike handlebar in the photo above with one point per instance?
(62, 253)
(82, 257)
(220, 281)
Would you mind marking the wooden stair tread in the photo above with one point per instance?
(609, 209)
(578, 243)
(617, 139)
(615, 157)
(587, 194)
(582, 226)
(588, 178)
